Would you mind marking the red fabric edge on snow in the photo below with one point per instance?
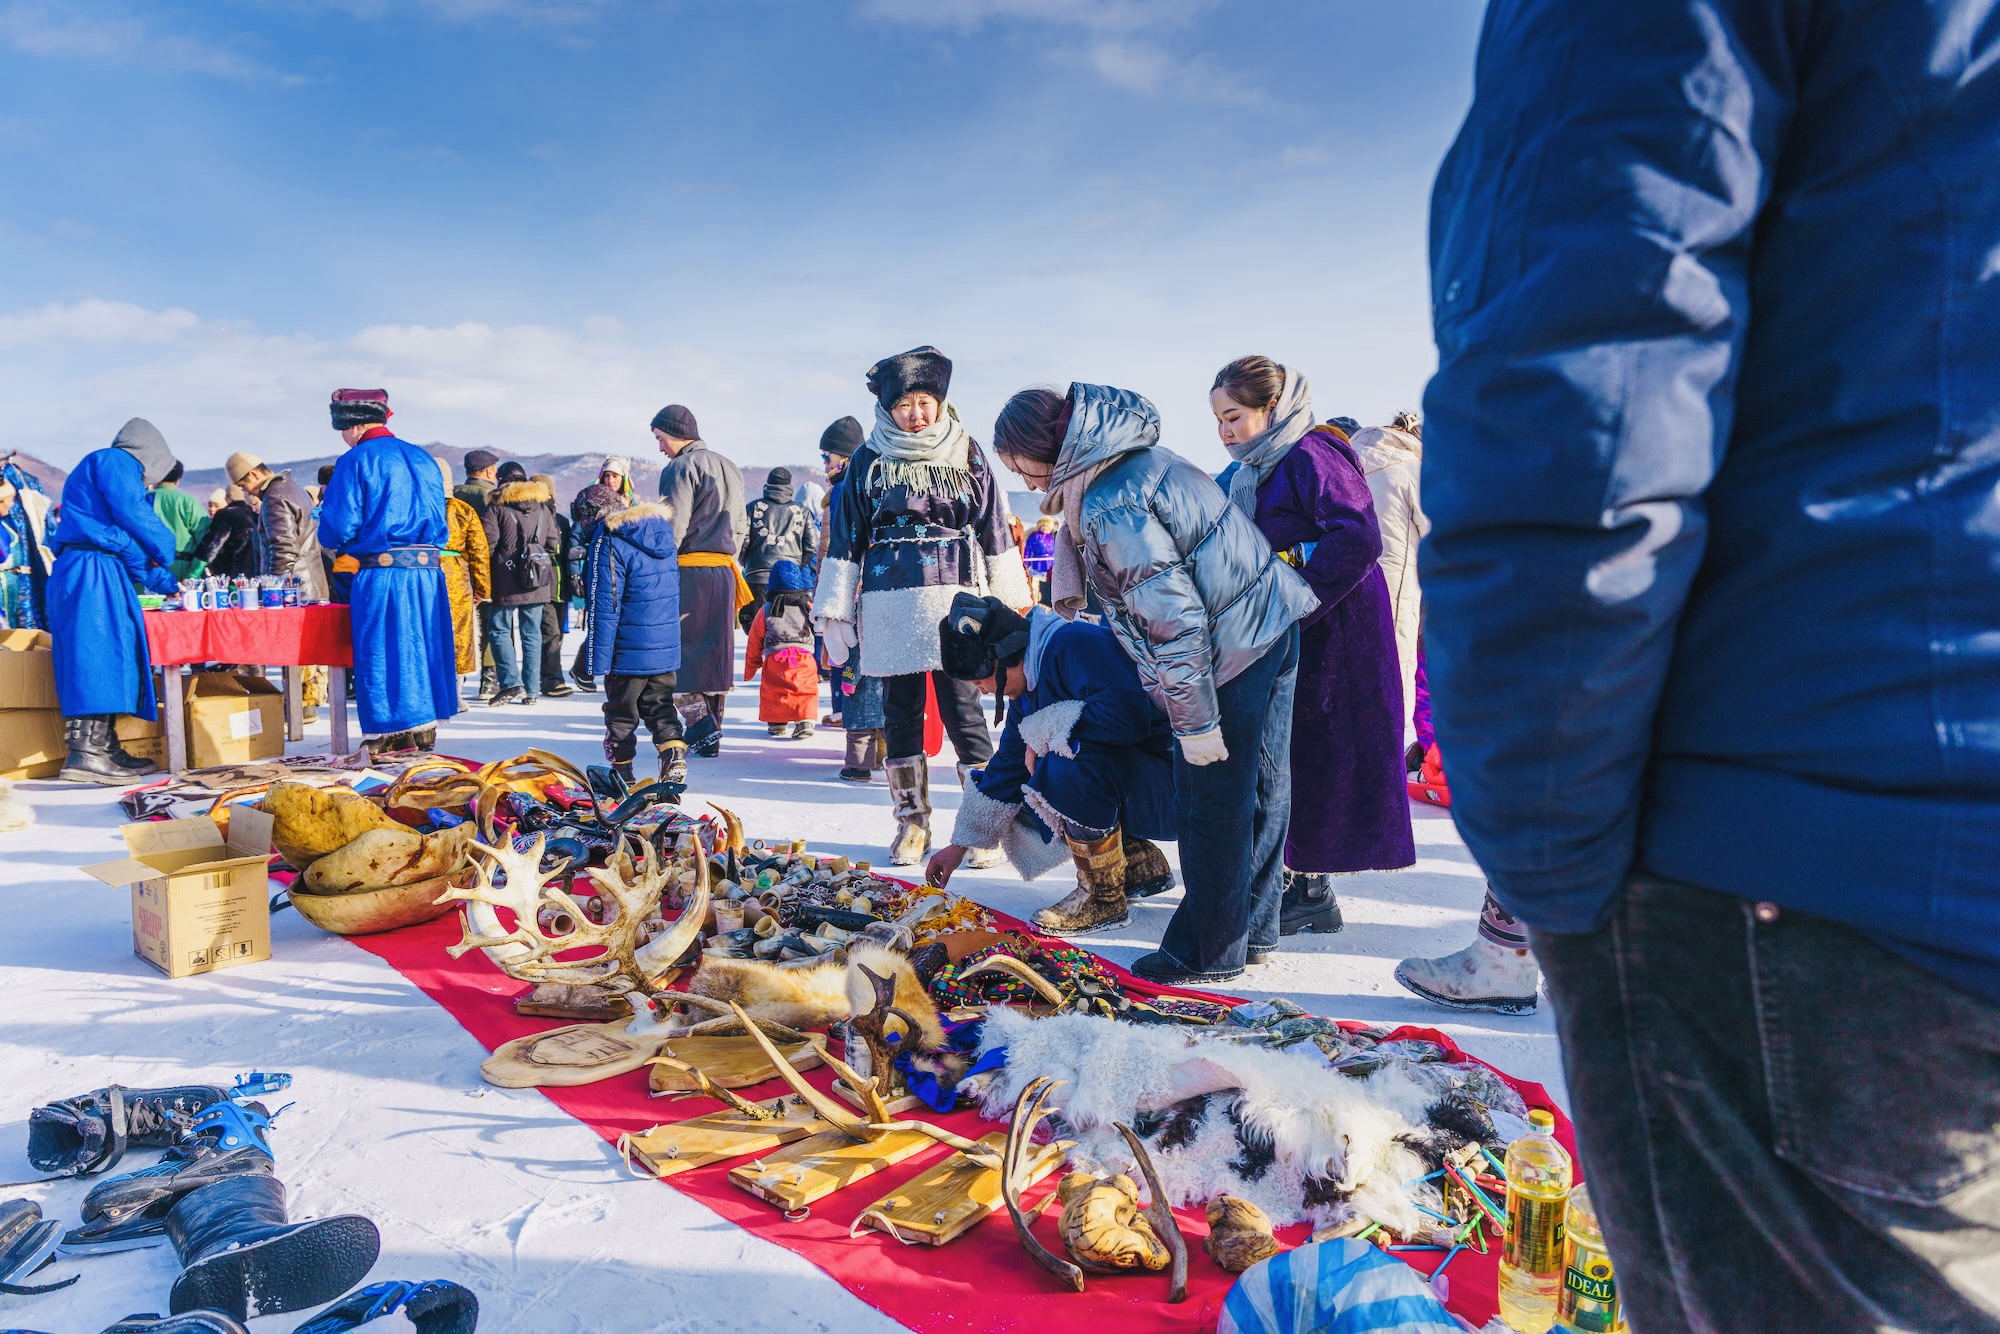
(983, 1280)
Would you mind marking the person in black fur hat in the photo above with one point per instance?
(920, 519)
(1085, 763)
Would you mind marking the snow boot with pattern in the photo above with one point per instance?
(240, 1255)
(910, 800)
(1484, 976)
(1098, 901)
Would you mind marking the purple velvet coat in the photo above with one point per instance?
(1350, 808)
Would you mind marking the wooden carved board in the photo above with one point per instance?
(729, 1062)
(565, 1057)
(814, 1168)
(944, 1203)
(719, 1136)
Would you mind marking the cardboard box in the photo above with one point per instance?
(233, 719)
(31, 743)
(148, 741)
(27, 670)
(199, 902)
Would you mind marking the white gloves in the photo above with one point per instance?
(1203, 747)
(841, 640)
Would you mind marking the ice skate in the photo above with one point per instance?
(1496, 979)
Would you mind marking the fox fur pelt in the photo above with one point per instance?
(1276, 1128)
(821, 994)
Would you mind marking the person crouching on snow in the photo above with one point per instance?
(781, 642)
(1085, 763)
(634, 583)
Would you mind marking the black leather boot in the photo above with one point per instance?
(240, 1255)
(123, 758)
(1309, 904)
(89, 760)
(88, 1134)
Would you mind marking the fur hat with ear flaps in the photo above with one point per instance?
(920, 370)
(979, 635)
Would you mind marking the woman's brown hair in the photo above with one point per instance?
(1255, 382)
(1032, 425)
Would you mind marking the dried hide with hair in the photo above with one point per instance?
(822, 993)
(1275, 1128)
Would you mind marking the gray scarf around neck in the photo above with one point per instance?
(1291, 419)
(936, 460)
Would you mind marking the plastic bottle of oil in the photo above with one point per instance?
(1531, 1264)
(1588, 1303)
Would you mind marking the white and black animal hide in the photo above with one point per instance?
(1276, 1128)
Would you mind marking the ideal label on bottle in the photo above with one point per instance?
(1535, 1233)
(1589, 1298)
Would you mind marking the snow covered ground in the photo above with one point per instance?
(498, 1189)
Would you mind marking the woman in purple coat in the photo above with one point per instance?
(1305, 489)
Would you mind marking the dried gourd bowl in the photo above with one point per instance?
(384, 908)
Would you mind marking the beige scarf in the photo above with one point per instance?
(1066, 587)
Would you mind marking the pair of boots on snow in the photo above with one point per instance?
(93, 753)
(213, 1197)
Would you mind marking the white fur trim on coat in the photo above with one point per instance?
(1031, 854)
(1007, 579)
(899, 628)
(1047, 731)
(985, 823)
(839, 584)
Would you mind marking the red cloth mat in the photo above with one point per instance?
(983, 1280)
(268, 637)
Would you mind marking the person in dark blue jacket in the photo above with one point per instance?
(1713, 467)
(1085, 764)
(632, 583)
(110, 541)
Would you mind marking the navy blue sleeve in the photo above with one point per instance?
(1590, 247)
(1007, 772)
(1086, 663)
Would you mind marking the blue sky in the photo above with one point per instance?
(536, 221)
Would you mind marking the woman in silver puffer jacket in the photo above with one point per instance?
(1209, 614)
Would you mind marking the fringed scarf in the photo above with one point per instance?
(935, 461)
(1291, 419)
(1067, 593)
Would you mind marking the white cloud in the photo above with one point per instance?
(1150, 71)
(124, 39)
(94, 321)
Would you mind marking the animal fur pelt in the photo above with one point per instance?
(1277, 1128)
(822, 993)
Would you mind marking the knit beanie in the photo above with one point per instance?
(677, 422)
(841, 439)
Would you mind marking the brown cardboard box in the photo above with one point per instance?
(233, 719)
(31, 743)
(27, 670)
(199, 902)
(147, 741)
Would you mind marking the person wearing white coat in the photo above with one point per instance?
(1391, 460)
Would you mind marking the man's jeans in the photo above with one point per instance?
(520, 666)
(1233, 818)
(1784, 1125)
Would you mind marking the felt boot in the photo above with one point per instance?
(89, 758)
(910, 799)
(1496, 979)
(1309, 904)
(1146, 870)
(800, 731)
(1098, 901)
(240, 1255)
(88, 1134)
(436, 1307)
(860, 748)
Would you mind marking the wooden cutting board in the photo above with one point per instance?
(945, 1202)
(729, 1062)
(817, 1166)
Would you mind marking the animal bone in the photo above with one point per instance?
(1161, 1215)
(526, 952)
(1029, 1111)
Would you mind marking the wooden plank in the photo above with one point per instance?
(336, 699)
(895, 1106)
(729, 1062)
(815, 1167)
(295, 714)
(946, 1202)
(700, 1141)
(174, 710)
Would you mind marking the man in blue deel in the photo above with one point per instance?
(109, 540)
(1712, 627)
(384, 507)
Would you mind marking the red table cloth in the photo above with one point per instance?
(267, 637)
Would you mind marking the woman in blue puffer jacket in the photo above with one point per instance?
(1209, 615)
(632, 582)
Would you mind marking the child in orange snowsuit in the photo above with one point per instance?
(781, 642)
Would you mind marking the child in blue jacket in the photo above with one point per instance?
(633, 580)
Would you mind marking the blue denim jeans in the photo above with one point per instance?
(1785, 1126)
(518, 666)
(1233, 818)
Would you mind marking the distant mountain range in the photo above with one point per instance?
(570, 472)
